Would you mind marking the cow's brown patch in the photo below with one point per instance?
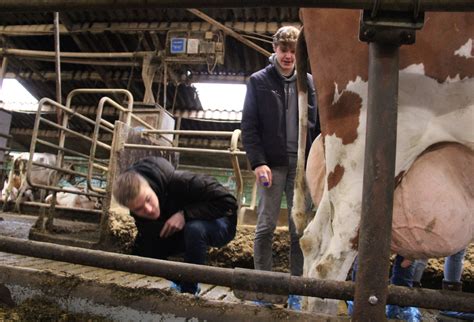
(335, 176)
(343, 117)
(442, 35)
(355, 241)
(324, 268)
(344, 61)
(305, 244)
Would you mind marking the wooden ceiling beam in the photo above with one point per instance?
(64, 5)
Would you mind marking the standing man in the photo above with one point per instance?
(176, 212)
(270, 138)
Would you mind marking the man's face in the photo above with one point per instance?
(285, 55)
(146, 204)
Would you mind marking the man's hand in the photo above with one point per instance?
(174, 224)
(263, 174)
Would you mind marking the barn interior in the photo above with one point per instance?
(145, 52)
(151, 53)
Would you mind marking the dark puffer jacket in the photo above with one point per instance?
(264, 118)
(199, 196)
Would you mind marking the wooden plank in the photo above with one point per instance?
(96, 273)
(55, 266)
(147, 281)
(205, 288)
(160, 283)
(113, 276)
(230, 298)
(130, 279)
(4, 255)
(86, 271)
(38, 264)
(28, 261)
(217, 293)
(79, 270)
(13, 260)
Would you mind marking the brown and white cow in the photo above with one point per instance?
(436, 105)
(39, 175)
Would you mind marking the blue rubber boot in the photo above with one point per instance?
(175, 287)
(350, 307)
(405, 313)
(262, 303)
(191, 288)
(458, 315)
(294, 302)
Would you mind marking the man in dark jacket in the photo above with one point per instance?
(270, 138)
(176, 212)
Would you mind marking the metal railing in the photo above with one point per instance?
(233, 151)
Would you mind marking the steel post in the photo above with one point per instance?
(378, 185)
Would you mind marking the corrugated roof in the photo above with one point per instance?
(134, 31)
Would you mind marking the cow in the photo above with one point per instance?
(435, 108)
(39, 175)
(73, 200)
(13, 189)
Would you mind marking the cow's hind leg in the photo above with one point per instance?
(328, 251)
(333, 265)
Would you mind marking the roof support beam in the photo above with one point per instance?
(135, 27)
(118, 77)
(65, 5)
(230, 32)
(84, 47)
(84, 54)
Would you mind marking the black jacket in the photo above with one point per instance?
(199, 196)
(264, 118)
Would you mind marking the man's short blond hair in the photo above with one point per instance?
(127, 187)
(285, 35)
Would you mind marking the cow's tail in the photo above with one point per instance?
(299, 210)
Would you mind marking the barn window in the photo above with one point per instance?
(16, 97)
(221, 97)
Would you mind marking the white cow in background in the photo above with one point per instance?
(72, 200)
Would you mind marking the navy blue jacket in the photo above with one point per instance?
(264, 118)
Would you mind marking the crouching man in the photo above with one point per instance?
(176, 212)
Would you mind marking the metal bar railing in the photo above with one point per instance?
(72, 132)
(61, 149)
(238, 278)
(178, 149)
(233, 150)
(55, 146)
(128, 94)
(125, 115)
(236, 166)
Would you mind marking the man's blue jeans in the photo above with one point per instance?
(194, 241)
(400, 276)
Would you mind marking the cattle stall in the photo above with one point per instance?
(429, 299)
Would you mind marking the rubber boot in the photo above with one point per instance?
(452, 286)
(448, 316)
(417, 285)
